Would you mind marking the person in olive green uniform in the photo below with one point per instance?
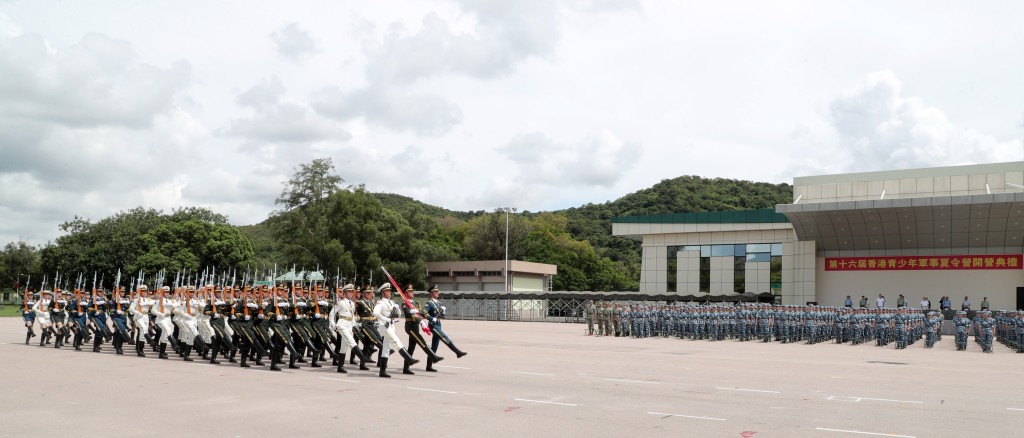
(413, 317)
(591, 313)
(368, 324)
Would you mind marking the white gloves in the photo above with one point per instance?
(414, 311)
(279, 317)
(247, 317)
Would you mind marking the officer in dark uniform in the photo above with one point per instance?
(119, 316)
(277, 312)
(59, 315)
(244, 312)
(435, 313)
(368, 324)
(413, 318)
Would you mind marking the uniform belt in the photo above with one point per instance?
(368, 318)
(347, 318)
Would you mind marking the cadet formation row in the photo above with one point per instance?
(810, 324)
(250, 323)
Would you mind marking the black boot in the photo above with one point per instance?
(383, 364)
(259, 358)
(408, 357)
(430, 365)
(316, 354)
(28, 336)
(245, 358)
(341, 364)
(433, 356)
(458, 353)
(187, 352)
(362, 358)
(275, 358)
(42, 340)
(380, 355)
(405, 368)
(231, 358)
(213, 353)
(163, 351)
(96, 343)
(291, 362)
(140, 348)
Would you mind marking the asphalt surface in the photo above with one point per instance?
(527, 379)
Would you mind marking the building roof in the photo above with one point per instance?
(968, 221)
(494, 265)
(761, 216)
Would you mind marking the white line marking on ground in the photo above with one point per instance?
(449, 366)
(748, 390)
(858, 399)
(1014, 409)
(864, 433)
(431, 390)
(339, 380)
(532, 374)
(633, 381)
(546, 402)
(265, 371)
(686, 416)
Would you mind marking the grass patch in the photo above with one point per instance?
(10, 310)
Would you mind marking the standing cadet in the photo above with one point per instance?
(591, 310)
(386, 313)
(962, 323)
(435, 313)
(600, 318)
(614, 316)
(413, 320)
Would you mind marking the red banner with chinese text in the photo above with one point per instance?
(925, 263)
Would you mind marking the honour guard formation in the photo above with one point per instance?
(247, 324)
(900, 327)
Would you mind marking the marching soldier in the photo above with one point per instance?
(163, 310)
(79, 317)
(435, 313)
(41, 309)
(29, 315)
(119, 316)
(372, 339)
(344, 313)
(386, 312)
(243, 312)
(413, 320)
(139, 310)
(59, 314)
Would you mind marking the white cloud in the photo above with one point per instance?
(873, 126)
(277, 121)
(97, 82)
(294, 43)
(598, 161)
(393, 108)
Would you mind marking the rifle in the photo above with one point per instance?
(408, 302)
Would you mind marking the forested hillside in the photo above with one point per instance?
(347, 230)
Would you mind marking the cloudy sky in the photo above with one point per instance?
(475, 104)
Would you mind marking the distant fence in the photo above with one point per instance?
(557, 306)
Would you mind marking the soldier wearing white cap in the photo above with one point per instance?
(162, 309)
(344, 315)
(42, 311)
(387, 314)
(139, 309)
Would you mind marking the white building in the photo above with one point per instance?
(954, 231)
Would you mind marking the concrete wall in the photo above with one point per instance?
(999, 286)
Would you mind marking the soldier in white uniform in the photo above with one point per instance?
(162, 310)
(42, 311)
(342, 318)
(139, 310)
(387, 314)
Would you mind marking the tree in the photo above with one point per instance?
(147, 240)
(309, 184)
(19, 260)
(485, 236)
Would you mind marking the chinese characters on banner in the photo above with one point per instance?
(925, 263)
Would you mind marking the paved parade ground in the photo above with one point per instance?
(527, 379)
